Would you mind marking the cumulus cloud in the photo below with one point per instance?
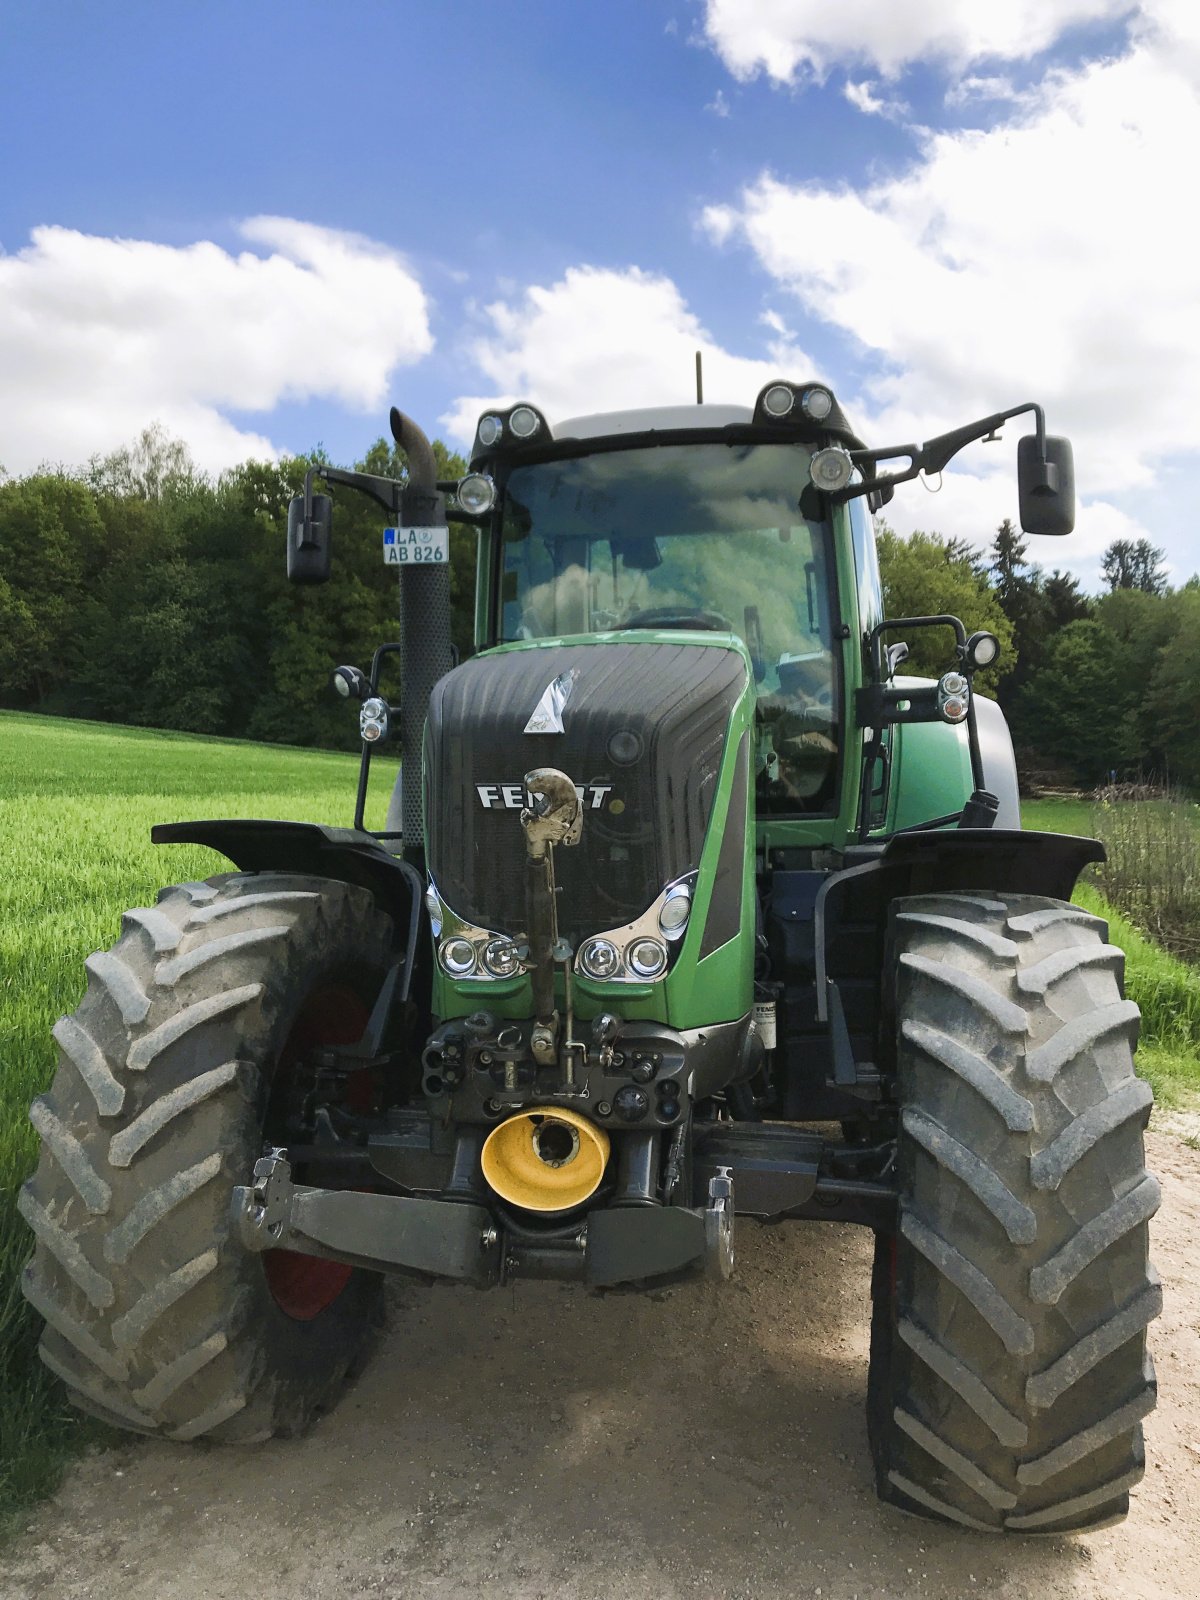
(790, 39)
(601, 340)
(1050, 257)
(863, 98)
(102, 336)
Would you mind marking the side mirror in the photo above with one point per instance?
(1047, 488)
(308, 540)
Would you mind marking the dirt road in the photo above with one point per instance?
(542, 1442)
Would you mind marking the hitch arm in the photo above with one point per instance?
(399, 1232)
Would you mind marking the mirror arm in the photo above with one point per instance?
(935, 453)
(385, 490)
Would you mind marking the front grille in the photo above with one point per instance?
(675, 700)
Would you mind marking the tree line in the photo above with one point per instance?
(1091, 685)
(139, 590)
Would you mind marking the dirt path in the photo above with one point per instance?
(541, 1442)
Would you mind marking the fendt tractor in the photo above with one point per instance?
(692, 907)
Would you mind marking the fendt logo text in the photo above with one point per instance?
(511, 796)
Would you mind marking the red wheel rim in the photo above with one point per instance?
(304, 1286)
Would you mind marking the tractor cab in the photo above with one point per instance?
(691, 535)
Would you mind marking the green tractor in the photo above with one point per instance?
(691, 907)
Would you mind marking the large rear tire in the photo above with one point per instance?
(1009, 1374)
(171, 1073)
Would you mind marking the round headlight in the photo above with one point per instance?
(982, 650)
(501, 959)
(676, 909)
(458, 956)
(524, 422)
(599, 958)
(816, 404)
(647, 958)
(778, 400)
(489, 430)
(476, 494)
(831, 468)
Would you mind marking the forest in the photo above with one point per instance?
(139, 590)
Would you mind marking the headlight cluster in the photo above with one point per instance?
(465, 951)
(638, 953)
(643, 959)
(521, 423)
(781, 399)
(641, 952)
(487, 957)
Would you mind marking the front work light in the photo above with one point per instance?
(524, 422)
(778, 400)
(489, 431)
(981, 650)
(831, 469)
(476, 494)
(816, 404)
(350, 683)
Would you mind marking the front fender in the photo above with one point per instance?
(345, 854)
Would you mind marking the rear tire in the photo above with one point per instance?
(1009, 1374)
(157, 1320)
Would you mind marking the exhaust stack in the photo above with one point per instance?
(425, 654)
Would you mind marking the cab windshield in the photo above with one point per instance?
(706, 536)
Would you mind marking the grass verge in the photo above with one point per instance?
(77, 801)
(1165, 987)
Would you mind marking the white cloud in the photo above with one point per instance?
(601, 340)
(102, 336)
(787, 39)
(976, 88)
(1051, 257)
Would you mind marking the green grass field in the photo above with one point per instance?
(77, 801)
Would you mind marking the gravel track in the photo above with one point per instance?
(539, 1441)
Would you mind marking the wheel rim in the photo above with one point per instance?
(304, 1286)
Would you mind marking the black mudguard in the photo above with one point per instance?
(345, 854)
(851, 912)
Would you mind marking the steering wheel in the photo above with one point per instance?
(673, 617)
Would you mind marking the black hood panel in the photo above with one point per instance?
(645, 728)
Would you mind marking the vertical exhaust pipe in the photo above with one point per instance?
(425, 654)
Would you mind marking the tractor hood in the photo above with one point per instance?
(639, 725)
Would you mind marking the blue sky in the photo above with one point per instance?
(260, 224)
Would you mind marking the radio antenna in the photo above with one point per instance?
(699, 381)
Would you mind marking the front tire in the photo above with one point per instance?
(1009, 1374)
(171, 1074)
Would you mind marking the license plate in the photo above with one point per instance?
(405, 547)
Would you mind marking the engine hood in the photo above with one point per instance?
(643, 731)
